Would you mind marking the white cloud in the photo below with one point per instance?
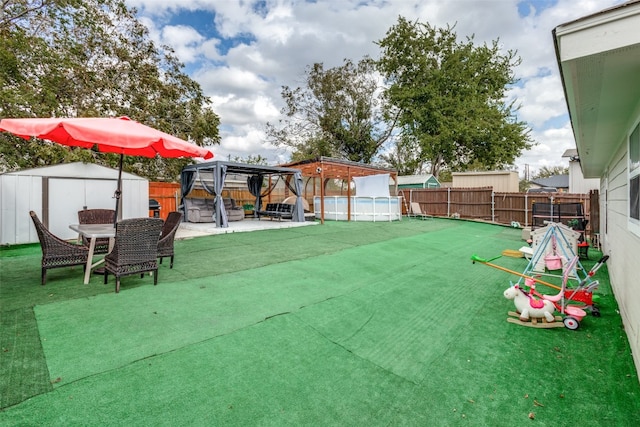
(541, 99)
(288, 35)
(185, 41)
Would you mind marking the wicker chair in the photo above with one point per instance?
(56, 252)
(165, 244)
(97, 216)
(135, 250)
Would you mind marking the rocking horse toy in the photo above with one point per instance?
(533, 312)
(528, 306)
(537, 310)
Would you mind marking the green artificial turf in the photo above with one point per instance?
(339, 324)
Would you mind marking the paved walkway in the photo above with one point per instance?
(190, 229)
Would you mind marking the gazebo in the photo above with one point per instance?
(327, 168)
(219, 169)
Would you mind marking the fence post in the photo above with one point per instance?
(493, 206)
(449, 201)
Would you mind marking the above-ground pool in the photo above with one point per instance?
(362, 208)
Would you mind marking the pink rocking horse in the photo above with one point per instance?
(528, 306)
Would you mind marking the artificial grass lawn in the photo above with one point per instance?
(340, 324)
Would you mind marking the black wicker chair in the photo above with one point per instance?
(169, 229)
(97, 216)
(135, 250)
(56, 252)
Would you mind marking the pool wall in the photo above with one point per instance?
(362, 208)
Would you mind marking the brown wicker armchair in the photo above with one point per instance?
(56, 252)
(135, 250)
(97, 216)
(165, 244)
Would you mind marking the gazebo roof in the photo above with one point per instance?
(338, 168)
(233, 167)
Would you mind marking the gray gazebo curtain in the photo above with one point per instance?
(296, 188)
(218, 185)
(187, 182)
(209, 189)
(254, 182)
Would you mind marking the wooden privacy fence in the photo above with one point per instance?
(484, 204)
(471, 203)
(165, 193)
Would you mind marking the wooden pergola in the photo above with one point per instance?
(328, 168)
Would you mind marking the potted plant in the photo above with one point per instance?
(574, 224)
(248, 208)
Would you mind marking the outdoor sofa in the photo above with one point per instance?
(277, 210)
(200, 209)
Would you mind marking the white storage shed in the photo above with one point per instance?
(57, 193)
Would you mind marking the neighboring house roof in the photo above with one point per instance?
(572, 154)
(413, 179)
(555, 181)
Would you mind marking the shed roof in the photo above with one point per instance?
(76, 170)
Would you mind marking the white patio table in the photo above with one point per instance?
(93, 232)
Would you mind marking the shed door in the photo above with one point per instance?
(67, 196)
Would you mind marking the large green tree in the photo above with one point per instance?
(403, 157)
(82, 58)
(337, 113)
(451, 96)
(548, 171)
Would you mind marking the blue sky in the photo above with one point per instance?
(242, 52)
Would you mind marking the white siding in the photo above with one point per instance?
(18, 196)
(71, 187)
(577, 183)
(622, 246)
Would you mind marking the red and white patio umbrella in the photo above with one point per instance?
(109, 135)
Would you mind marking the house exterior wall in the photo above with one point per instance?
(599, 56)
(501, 181)
(621, 245)
(578, 183)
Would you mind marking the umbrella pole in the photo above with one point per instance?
(118, 191)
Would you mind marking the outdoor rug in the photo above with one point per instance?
(342, 324)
